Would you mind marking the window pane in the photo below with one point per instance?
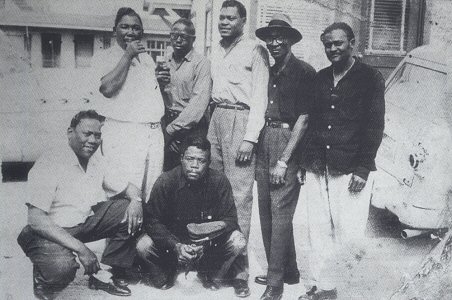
(387, 25)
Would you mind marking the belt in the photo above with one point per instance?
(276, 124)
(238, 106)
(153, 125)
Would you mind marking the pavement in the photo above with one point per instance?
(371, 270)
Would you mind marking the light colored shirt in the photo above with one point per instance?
(139, 100)
(189, 91)
(58, 185)
(241, 74)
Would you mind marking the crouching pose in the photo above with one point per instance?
(68, 206)
(191, 193)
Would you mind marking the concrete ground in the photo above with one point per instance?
(370, 271)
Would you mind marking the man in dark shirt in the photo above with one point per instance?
(345, 131)
(286, 120)
(191, 193)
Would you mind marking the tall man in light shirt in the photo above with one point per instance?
(133, 106)
(186, 88)
(240, 72)
(68, 206)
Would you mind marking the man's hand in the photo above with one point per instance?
(134, 48)
(356, 184)
(163, 76)
(133, 216)
(245, 152)
(89, 261)
(185, 253)
(301, 176)
(174, 146)
(278, 174)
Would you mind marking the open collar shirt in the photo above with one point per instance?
(189, 92)
(346, 121)
(290, 91)
(175, 202)
(240, 75)
(58, 185)
(139, 100)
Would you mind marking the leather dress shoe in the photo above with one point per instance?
(272, 293)
(289, 278)
(317, 294)
(170, 282)
(241, 288)
(208, 283)
(109, 287)
(43, 293)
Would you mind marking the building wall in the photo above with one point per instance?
(438, 24)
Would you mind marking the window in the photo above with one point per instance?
(106, 42)
(395, 26)
(51, 49)
(84, 44)
(157, 48)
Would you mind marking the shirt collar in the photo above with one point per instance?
(234, 43)
(187, 57)
(287, 68)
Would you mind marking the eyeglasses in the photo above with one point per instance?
(277, 39)
(175, 35)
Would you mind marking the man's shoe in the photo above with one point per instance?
(316, 294)
(272, 293)
(109, 287)
(241, 288)
(42, 292)
(289, 278)
(208, 283)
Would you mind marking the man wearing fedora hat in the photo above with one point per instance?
(286, 119)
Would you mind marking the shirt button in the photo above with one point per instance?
(271, 102)
(328, 146)
(274, 85)
(329, 126)
(333, 107)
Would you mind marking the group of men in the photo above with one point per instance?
(283, 126)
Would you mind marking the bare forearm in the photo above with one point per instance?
(298, 131)
(113, 81)
(40, 222)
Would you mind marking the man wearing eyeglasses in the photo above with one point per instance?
(240, 78)
(191, 193)
(345, 131)
(286, 120)
(186, 87)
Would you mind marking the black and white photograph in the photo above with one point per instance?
(226, 149)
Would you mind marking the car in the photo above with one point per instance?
(414, 180)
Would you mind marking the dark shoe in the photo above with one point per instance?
(272, 293)
(316, 294)
(43, 293)
(111, 288)
(170, 282)
(208, 283)
(289, 278)
(119, 277)
(241, 288)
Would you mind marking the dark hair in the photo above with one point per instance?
(85, 114)
(188, 23)
(195, 140)
(233, 3)
(339, 25)
(126, 11)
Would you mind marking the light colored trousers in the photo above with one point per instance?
(137, 149)
(226, 131)
(337, 220)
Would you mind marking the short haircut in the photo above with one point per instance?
(195, 140)
(339, 25)
(126, 11)
(188, 23)
(234, 3)
(85, 114)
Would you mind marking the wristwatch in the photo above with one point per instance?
(281, 164)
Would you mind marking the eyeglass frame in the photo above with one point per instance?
(278, 39)
(183, 36)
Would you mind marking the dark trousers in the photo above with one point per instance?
(54, 266)
(221, 259)
(277, 205)
(171, 158)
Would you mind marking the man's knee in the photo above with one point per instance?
(58, 273)
(146, 247)
(236, 243)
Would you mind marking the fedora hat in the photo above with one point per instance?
(283, 24)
